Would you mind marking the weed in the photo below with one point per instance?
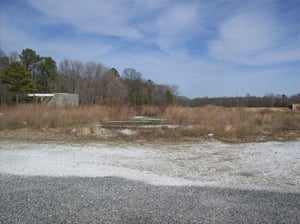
(192, 122)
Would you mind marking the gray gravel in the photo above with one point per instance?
(117, 200)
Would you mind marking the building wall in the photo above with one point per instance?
(296, 106)
(64, 99)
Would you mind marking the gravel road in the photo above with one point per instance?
(117, 200)
(257, 166)
(205, 182)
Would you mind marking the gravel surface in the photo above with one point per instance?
(258, 166)
(206, 182)
(117, 200)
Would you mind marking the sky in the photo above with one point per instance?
(208, 48)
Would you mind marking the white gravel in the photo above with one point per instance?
(269, 166)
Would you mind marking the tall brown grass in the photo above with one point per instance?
(193, 122)
(41, 116)
(236, 122)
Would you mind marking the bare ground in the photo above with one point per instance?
(150, 133)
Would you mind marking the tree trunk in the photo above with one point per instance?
(17, 98)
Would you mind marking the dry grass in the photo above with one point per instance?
(235, 121)
(39, 116)
(225, 123)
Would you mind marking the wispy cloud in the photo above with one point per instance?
(176, 23)
(107, 17)
(255, 38)
(212, 48)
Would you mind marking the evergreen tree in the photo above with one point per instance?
(47, 75)
(18, 79)
(169, 97)
(4, 62)
(114, 72)
(29, 59)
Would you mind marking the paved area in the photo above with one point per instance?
(34, 199)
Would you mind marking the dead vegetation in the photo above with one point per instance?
(178, 123)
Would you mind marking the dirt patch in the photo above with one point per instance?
(154, 133)
(246, 174)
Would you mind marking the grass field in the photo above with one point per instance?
(179, 123)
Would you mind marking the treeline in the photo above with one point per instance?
(269, 100)
(95, 83)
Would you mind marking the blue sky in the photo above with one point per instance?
(206, 47)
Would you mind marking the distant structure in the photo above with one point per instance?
(296, 106)
(57, 99)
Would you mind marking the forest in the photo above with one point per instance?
(97, 84)
(94, 82)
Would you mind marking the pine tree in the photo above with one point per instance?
(169, 97)
(18, 79)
